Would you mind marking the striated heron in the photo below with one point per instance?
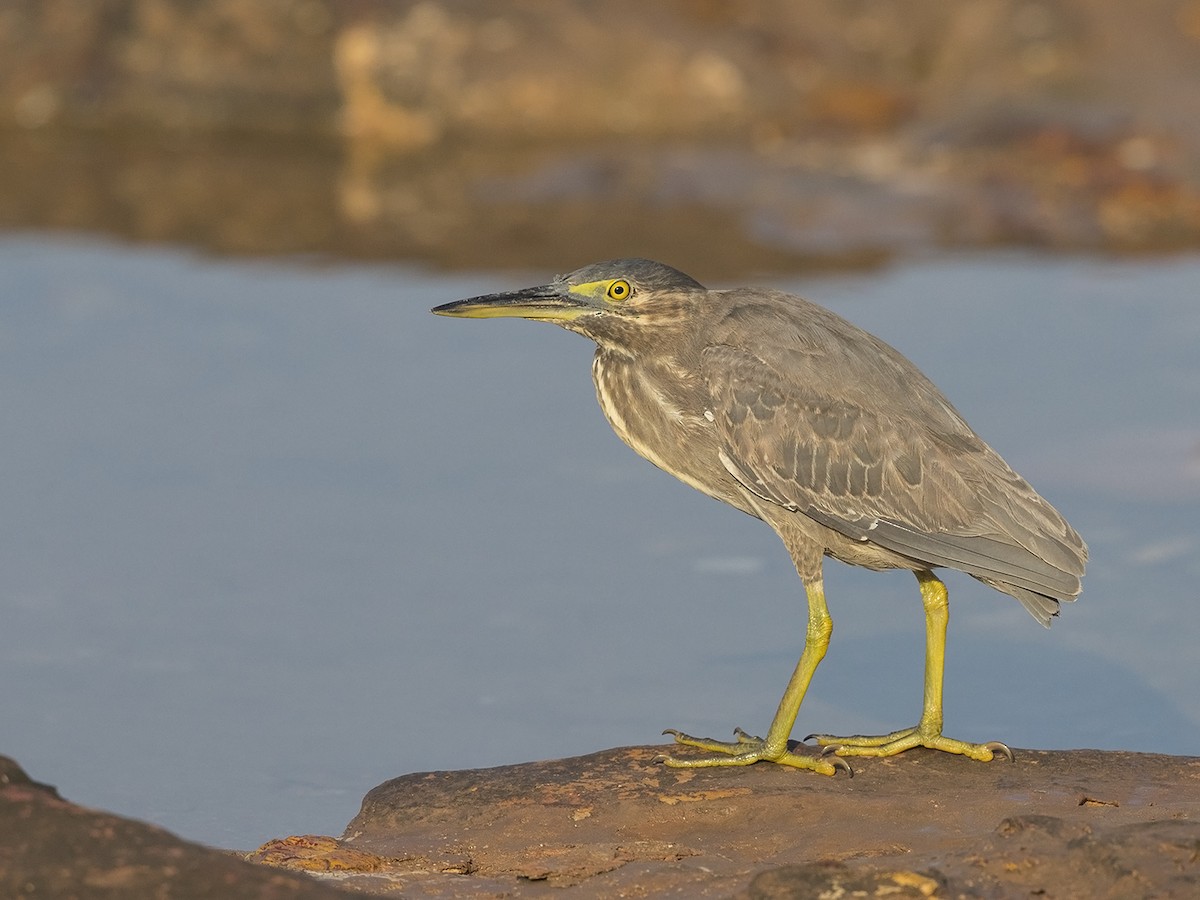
(788, 412)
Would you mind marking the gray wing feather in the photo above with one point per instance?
(867, 446)
(983, 557)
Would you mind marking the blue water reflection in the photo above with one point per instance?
(273, 534)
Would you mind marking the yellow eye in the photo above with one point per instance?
(619, 290)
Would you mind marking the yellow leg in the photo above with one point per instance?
(928, 732)
(747, 749)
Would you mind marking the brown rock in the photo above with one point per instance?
(1056, 824)
(52, 848)
(1053, 824)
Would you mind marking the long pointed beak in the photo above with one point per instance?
(546, 303)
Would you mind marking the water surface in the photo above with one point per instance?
(272, 533)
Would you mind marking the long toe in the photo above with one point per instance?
(744, 751)
(860, 740)
(882, 745)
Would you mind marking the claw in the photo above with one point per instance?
(1000, 748)
(829, 752)
(744, 737)
(672, 732)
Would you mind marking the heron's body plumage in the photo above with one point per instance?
(760, 393)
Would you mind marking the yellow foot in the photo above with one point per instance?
(746, 750)
(899, 741)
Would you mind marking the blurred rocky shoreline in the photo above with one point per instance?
(729, 138)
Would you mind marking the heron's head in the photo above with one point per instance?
(592, 300)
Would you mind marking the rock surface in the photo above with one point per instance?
(51, 848)
(616, 823)
(1062, 824)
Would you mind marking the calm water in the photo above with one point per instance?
(272, 533)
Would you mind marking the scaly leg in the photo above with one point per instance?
(928, 732)
(747, 749)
